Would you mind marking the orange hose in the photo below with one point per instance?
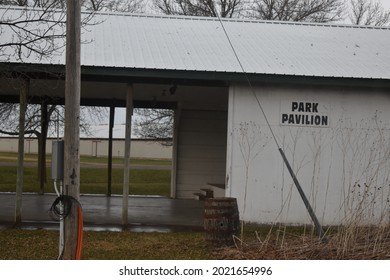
(79, 232)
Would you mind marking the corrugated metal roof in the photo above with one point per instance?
(264, 47)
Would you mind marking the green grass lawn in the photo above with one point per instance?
(257, 242)
(93, 180)
(19, 244)
(12, 157)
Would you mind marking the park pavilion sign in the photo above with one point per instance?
(299, 113)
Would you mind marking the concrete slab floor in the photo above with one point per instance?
(102, 213)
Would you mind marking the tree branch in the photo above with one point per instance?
(37, 133)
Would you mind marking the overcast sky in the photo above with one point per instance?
(385, 3)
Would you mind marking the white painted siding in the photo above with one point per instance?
(201, 152)
(343, 167)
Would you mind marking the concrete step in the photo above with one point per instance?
(209, 193)
(199, 196)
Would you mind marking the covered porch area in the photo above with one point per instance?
(102, 213)
(199, 140)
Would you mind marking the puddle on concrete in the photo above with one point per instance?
(150, 229)
(110, 228)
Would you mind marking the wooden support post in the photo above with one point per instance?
(126, 172)
(24, 87)
(176, 125)
(110, 133)
(72, 122)
(42, 147)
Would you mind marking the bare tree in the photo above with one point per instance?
(39, 29)
(36, 28)
(368, 12)
(155, 124)
(127, 6)
(298, 10)
(44, 119)
(25, 32)
(37, 123)
(208, 8)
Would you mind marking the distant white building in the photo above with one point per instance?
(141, 148)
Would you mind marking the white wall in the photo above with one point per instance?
(201, 151)
(333, 162)
(97, 147)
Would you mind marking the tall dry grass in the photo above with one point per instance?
(343, 243)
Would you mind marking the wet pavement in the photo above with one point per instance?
(102, 213)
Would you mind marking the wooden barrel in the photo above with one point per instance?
(221, 220)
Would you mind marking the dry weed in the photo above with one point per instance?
(358, 243)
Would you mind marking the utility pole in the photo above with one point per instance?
(72, 122)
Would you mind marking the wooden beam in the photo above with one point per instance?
(126, 172)
(23, 91)
(91, 102)
(72, 123)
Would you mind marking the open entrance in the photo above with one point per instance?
(201, 154)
